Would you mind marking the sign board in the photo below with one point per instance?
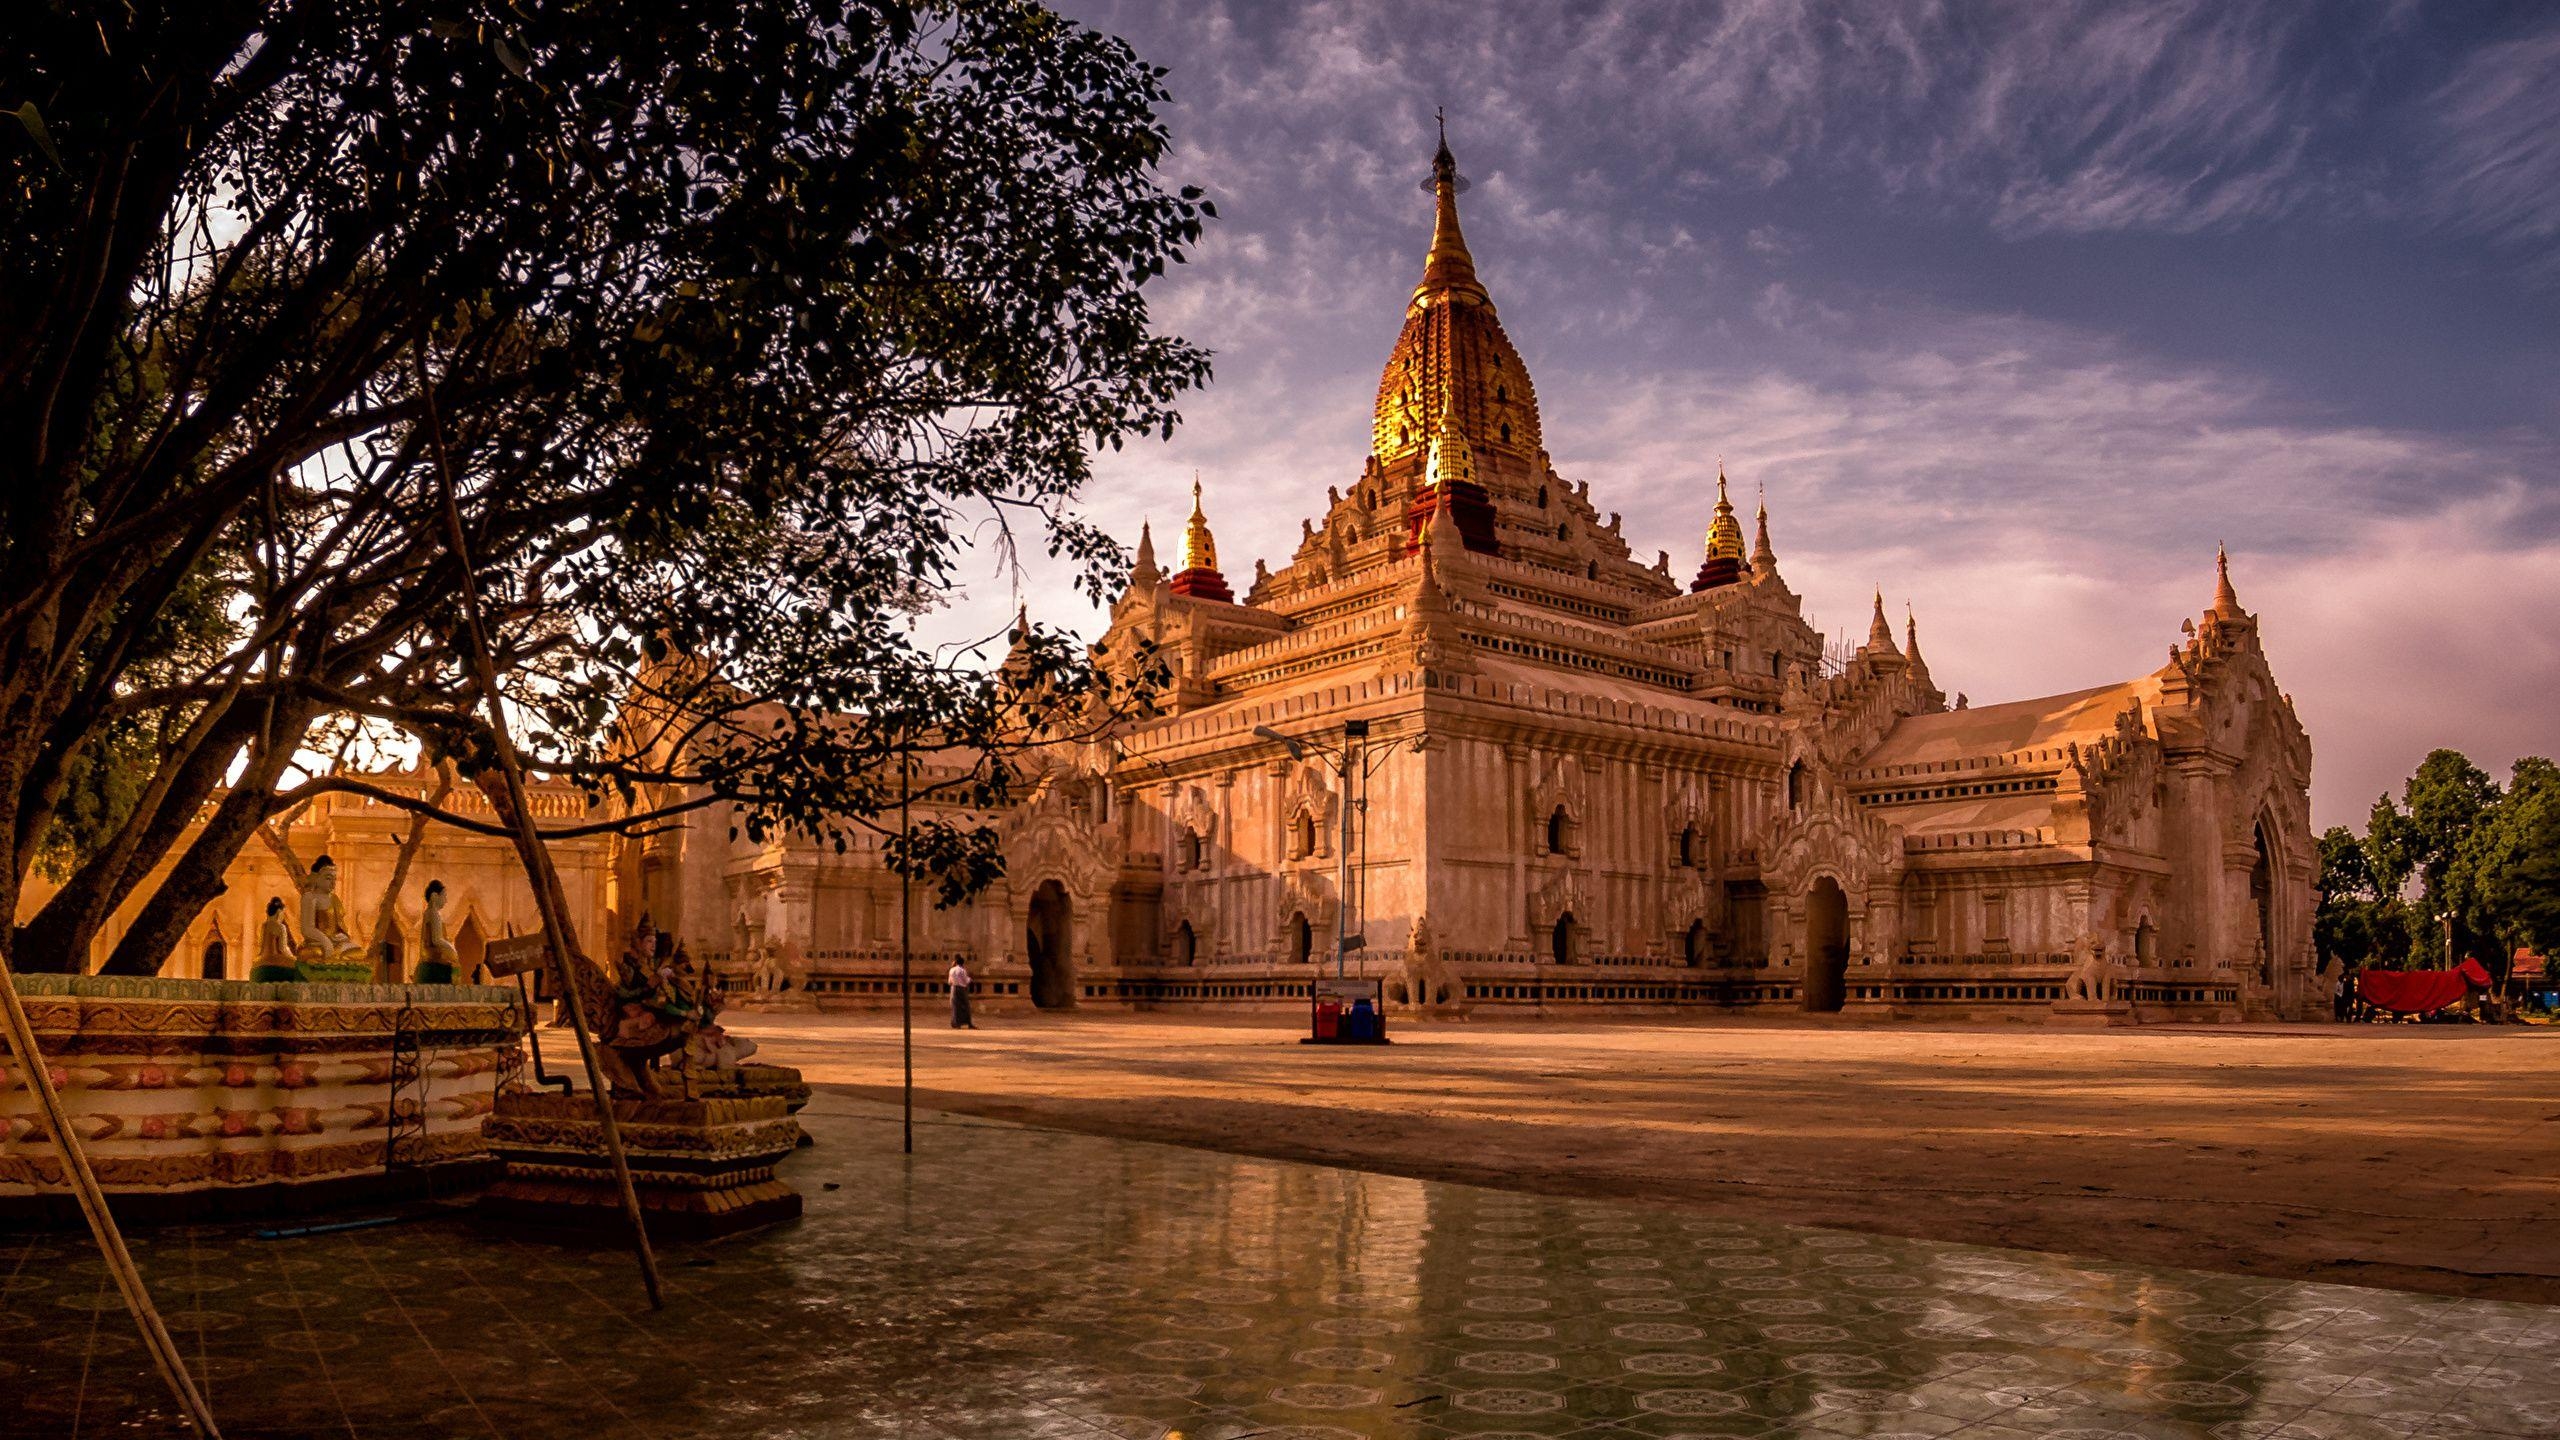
(1347, 990)
(516, 955)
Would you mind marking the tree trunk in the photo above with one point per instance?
(196, 880)
(59, 937)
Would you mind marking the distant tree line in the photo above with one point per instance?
(2455, 860)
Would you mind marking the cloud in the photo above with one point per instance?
(1690, 216)
(2497, 163)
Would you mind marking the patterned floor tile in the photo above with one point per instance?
(1017, 1284)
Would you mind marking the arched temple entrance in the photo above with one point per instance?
(2262, 897)
(1826, 945)
(1044, 940)
(1563, 938)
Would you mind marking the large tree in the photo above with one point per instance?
(2506, 876)
(716, 328)
(2419, 839)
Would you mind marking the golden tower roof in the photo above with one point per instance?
(1724, 535)
(1199, 550)
(1452, 356)
(1879, 632)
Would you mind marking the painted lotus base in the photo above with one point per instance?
(703, 1167)
(201, 1098)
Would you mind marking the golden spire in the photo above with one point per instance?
(1448, 269)
(2225, 601)
(1451, 457)
(1199, 551)
(1762, 557)
(1724, 535)
(1879, 631)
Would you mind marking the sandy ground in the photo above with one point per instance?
(2423, 1158)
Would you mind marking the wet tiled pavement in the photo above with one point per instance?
(1019, 1284)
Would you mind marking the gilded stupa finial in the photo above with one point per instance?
(1879, 630)
(1724, 533)
(2226, 601)
(1448, 269)
(1199, 549)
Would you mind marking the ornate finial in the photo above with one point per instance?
(1199, 550)
(1199, 577)
(1880, 633)
(1911, 644)
(2225, 601)
(1762, 557)
(1146, 550)
(1724, 533)
(1448, 269)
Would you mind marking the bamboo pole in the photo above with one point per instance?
(906, 963)
(547, 895)
(93, 1207)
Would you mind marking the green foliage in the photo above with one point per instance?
(2456, 847)
(2505, 880)
(2354, 920)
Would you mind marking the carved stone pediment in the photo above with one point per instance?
(1308, 893)
(1054, 836)
(1307, 795)
(1563, 892)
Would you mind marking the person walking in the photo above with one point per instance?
(960, 982)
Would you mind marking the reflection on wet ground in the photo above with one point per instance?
(1016, 1284)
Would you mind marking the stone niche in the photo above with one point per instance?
(202, 1098)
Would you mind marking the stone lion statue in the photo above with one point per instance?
(2092, 977)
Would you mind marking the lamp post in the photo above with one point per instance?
(1352, 765)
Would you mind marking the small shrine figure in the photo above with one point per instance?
(437, 957)
(326, 951)
(275, 947)
(712, 1047)
(650, 1004)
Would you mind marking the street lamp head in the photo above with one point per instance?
(1296, 750)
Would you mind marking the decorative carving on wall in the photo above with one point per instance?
(1053, 836)
(1308, 791)
(1308, 893)
(1560, 786)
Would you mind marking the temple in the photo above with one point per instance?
(1576, 779)
(1519, 768)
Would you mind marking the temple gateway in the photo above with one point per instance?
(1521, 768)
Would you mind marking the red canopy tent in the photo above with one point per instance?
(2420, 992)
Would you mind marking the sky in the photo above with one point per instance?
(2015, 310)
